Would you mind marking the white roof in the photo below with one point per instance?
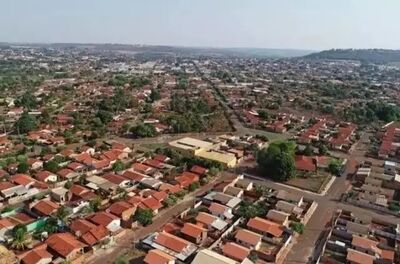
(211, 257)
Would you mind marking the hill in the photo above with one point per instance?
(365, 55)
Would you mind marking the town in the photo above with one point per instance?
(113, 157)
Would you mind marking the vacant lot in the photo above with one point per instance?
(314, 182)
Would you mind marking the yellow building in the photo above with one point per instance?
(203, 149)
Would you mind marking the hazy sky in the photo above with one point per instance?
(303, 24)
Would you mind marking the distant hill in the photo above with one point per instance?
(366, 55)
(159, 50)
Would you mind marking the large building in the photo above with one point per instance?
(204, 149)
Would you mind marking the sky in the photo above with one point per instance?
(283, 24)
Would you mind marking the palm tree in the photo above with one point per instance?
(51, 225)
(62, 215)
(21, 237)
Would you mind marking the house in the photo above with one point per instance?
(288, 208)
(194, 233)
(45, 208)
(173, 243)
(22, 179)
(142, 168)
(244, 184)
(76, 166)
(357, 257)
(235, 251)
(290, 197)
(78, 192)
(65, 245)
(89, 233)
(6, 226)
(156, 256)
(211, 257)
(45, 176)
(186, 178)
(221, 211)
(67, 174)
(35, 164)
(248, 239)
(279, 217)
(122, 209)
(37, 255)
(117, 179)
(151, 203)
(305, 163)
(390, 167)
(161, 158)
(8, 190)
(210, 221)
(108, 220)
(265, 227)
(198, 170)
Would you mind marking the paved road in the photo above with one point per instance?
(125, 243)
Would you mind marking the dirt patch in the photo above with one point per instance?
(314, 183)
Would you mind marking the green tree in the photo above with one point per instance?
(62, 214)
(194, 186)
(51, 225)
(95, 204)
(20, 237)
(155, 95)
(297, 227)
(118, 166)
(25, 123)
(334, 167)
(278, 160)
(144, 216)
(51, 166)
(144, 130)
(27, 100)
(23, 167)
(104, 116)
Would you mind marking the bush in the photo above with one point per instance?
(297, 227)
(144, 216)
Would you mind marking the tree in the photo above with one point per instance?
(308, 150)
(250, 210)
(20, 237)
(194, 186)
(51, 166)
(51, 225)
(263, 115)
(155, 95)
(278, 160)
(27, 100)
(334, 167)
(105, 116)
(118, 166)
(144, 130)
(25, 123)
(297, 227)
(23, 167)
(144, 216)
(322, 149)
(95, 204)
(62, 214)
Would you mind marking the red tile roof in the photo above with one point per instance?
(35, 256)
(46, 207)
(235, 251)
(304, 163)
(198, 170)
(152, 203)
(171, 242)
(156, 256)
(21, 179)
(103, 218)
(192, 230)
(266, 226)
(64, 243)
